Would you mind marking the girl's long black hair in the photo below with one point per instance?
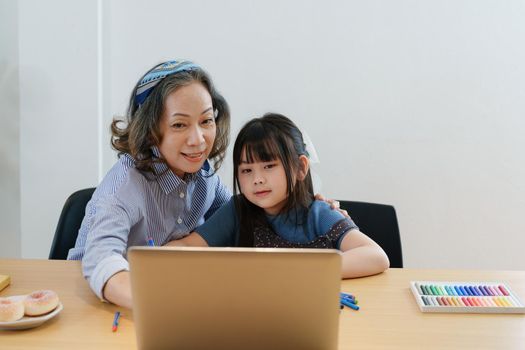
(271, 137)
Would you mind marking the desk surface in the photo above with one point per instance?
(388, 319)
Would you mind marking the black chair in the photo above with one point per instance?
(379, 222)
(69, 223)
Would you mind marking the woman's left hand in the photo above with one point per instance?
(334, 204)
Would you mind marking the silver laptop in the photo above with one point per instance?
(235, 298)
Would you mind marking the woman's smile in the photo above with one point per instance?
(193, 157)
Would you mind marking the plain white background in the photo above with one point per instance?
(417, 104)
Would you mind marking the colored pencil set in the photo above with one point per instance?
(470, 297)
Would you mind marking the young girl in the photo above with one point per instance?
(276, 205)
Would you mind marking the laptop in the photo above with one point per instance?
(235, 298)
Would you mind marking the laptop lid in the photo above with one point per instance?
(235, 298)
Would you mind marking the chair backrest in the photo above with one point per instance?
(379, 222)
(69, 223)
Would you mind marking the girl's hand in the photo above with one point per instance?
(191, 240)
(333, 204)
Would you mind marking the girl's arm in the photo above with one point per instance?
(222, 196)
(191, 240)
(218, 231)
(361, 255)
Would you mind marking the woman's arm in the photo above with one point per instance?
(118, 289)
(104, 264)
(361, 255)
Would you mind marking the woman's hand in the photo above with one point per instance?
(334, 204)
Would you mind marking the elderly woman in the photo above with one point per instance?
(163, 185)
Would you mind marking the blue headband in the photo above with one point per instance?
(158, 73)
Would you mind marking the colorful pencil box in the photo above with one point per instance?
(466, 297)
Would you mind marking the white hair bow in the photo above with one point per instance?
(310, 148)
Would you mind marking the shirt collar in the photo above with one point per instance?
(294, 217)
(167, 179)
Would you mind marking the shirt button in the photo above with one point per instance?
(181, 195)
(179, 220)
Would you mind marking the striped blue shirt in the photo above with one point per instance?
(129, 206)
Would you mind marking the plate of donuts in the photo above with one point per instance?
(28, 311)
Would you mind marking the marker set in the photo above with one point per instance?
(348, 300)
(465, 297)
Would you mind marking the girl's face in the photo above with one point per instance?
(187, 128)
(263, 184)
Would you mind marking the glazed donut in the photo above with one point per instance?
(40, 302)
(11, 309)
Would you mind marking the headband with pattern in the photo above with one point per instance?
(158, 73)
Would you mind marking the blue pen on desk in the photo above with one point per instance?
(347, 302)
(151, 242)
(347, 296)
(115, 321)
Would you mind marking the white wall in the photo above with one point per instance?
(58, 112)
(9, 131)
(418, 104)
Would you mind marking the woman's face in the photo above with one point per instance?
(187, 128)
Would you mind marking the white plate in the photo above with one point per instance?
(27, 322)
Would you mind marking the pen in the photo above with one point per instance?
(347, 296)
(353, 301)
(348, 303)
(115, 321)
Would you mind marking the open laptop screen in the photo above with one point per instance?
(235, 298)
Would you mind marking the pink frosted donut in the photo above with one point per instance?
(11, 309)
(40, 302)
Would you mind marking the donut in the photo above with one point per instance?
(40, 302)
(11, 309)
